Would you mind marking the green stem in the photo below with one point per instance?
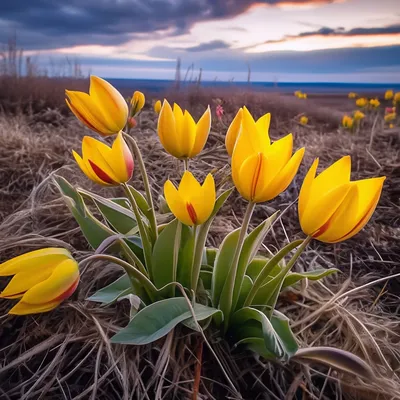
(133, 273)
(142, 229)
(186, 164)
(142, 167)
(227, 291)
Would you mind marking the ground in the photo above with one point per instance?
(66, 354)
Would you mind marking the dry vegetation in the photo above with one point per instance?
(65, 354)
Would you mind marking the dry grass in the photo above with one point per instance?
(65, 354)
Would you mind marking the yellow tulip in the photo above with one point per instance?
(391, 126)
(374, 103)
(103, 110)
(352, 95)
(304, 120)
(389, 94)
(179, 134)
(390, 117)
(358, 115)
(331, 207)
(42, 280)
(261, 170)
(157, 106)
(347, 122)
(396, 99)
(361, 102)
(191, 203)
(233, 132)
(137, 103)
(103, 164)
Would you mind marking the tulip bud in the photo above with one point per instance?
(131, 122)
(137, 103)
(157, 107)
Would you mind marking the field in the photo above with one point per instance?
(65, 354)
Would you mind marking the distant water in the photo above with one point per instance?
(156, 86)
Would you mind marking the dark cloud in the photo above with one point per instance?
(214, 45)
(44, 24)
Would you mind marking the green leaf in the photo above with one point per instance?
(247, 284)
(257, 345)
(282, 328)
(94, 231)
(158, 319)
(108, 294)
(294, 277)
(206, 277)
(165, 255)
(208, 312)
(120, 218)
(211, 254)
(186, 255)
(256, 266)
(140, 201)
(222, 264)
(338, 359)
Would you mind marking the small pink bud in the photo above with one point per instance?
(219, 111)
(132, 122)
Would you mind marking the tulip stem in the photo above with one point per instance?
(186, 164)
(146, 184)
(142, 229)
(227, 291)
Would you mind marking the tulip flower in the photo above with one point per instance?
(304, 120)
(42, 280)
(233, 132)
(391, 126)
(347, 122)
(261, 170)
(389, 110)
(219, 111)
(361, 102)
(390, 117)
(358, 115)
(137, 103)
(103, 110)
(375, 103)
(157, 107)
(104, 165)
(331, 207)
(389, 94)
(396, 99)
(191, 203)
(352, 95)
(179, 133)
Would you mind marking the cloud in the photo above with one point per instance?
(48, 24)
(213, 45)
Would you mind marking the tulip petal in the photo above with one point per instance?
(167, 132)
(188, 136)
(87, 169)
(34, 260)
(22, 281)
(110, 102)
(176, 204)
(279, 154)
(305, 190)
(122, 159)
(202, 131)
(178, 115)
(263, 124)
(57, 286)
(82, 117)
(283, 179)
(233, 132)
(369, 192)
(315, 217)
(22, 308)
(203, 202)
(189, 186)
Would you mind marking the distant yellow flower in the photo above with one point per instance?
(179, 134)
(137, 103)
(358, 115)
(331, 207)
(261, 170)
(391, 126)
(390, 117)
(304, 120)
(304, 96)
(352, 95)
(233, 132)
(375, 103)
(104, 165)
(361, 102)
(157, 106)
(191, 203)
(396, 99)
(103, 110)
(298, 93)
(347, 122)
(389, 94)
(42, 280)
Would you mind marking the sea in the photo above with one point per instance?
(157, 86)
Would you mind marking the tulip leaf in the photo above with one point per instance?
(223, 261)
(140, 201)
(186, 254)
(294, 277)
(257, 345)
(165, 255)
(120, 218)
(108, 294)
(94, 231)
(336, 358)
(206, 277)
(211, 254)
(247, 284)
(158, 319)
(257, 265)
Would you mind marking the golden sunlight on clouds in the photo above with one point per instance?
(320, 42)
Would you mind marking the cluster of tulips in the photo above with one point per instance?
(174, 276)
(300, 95)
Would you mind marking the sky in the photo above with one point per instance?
(280, 40)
